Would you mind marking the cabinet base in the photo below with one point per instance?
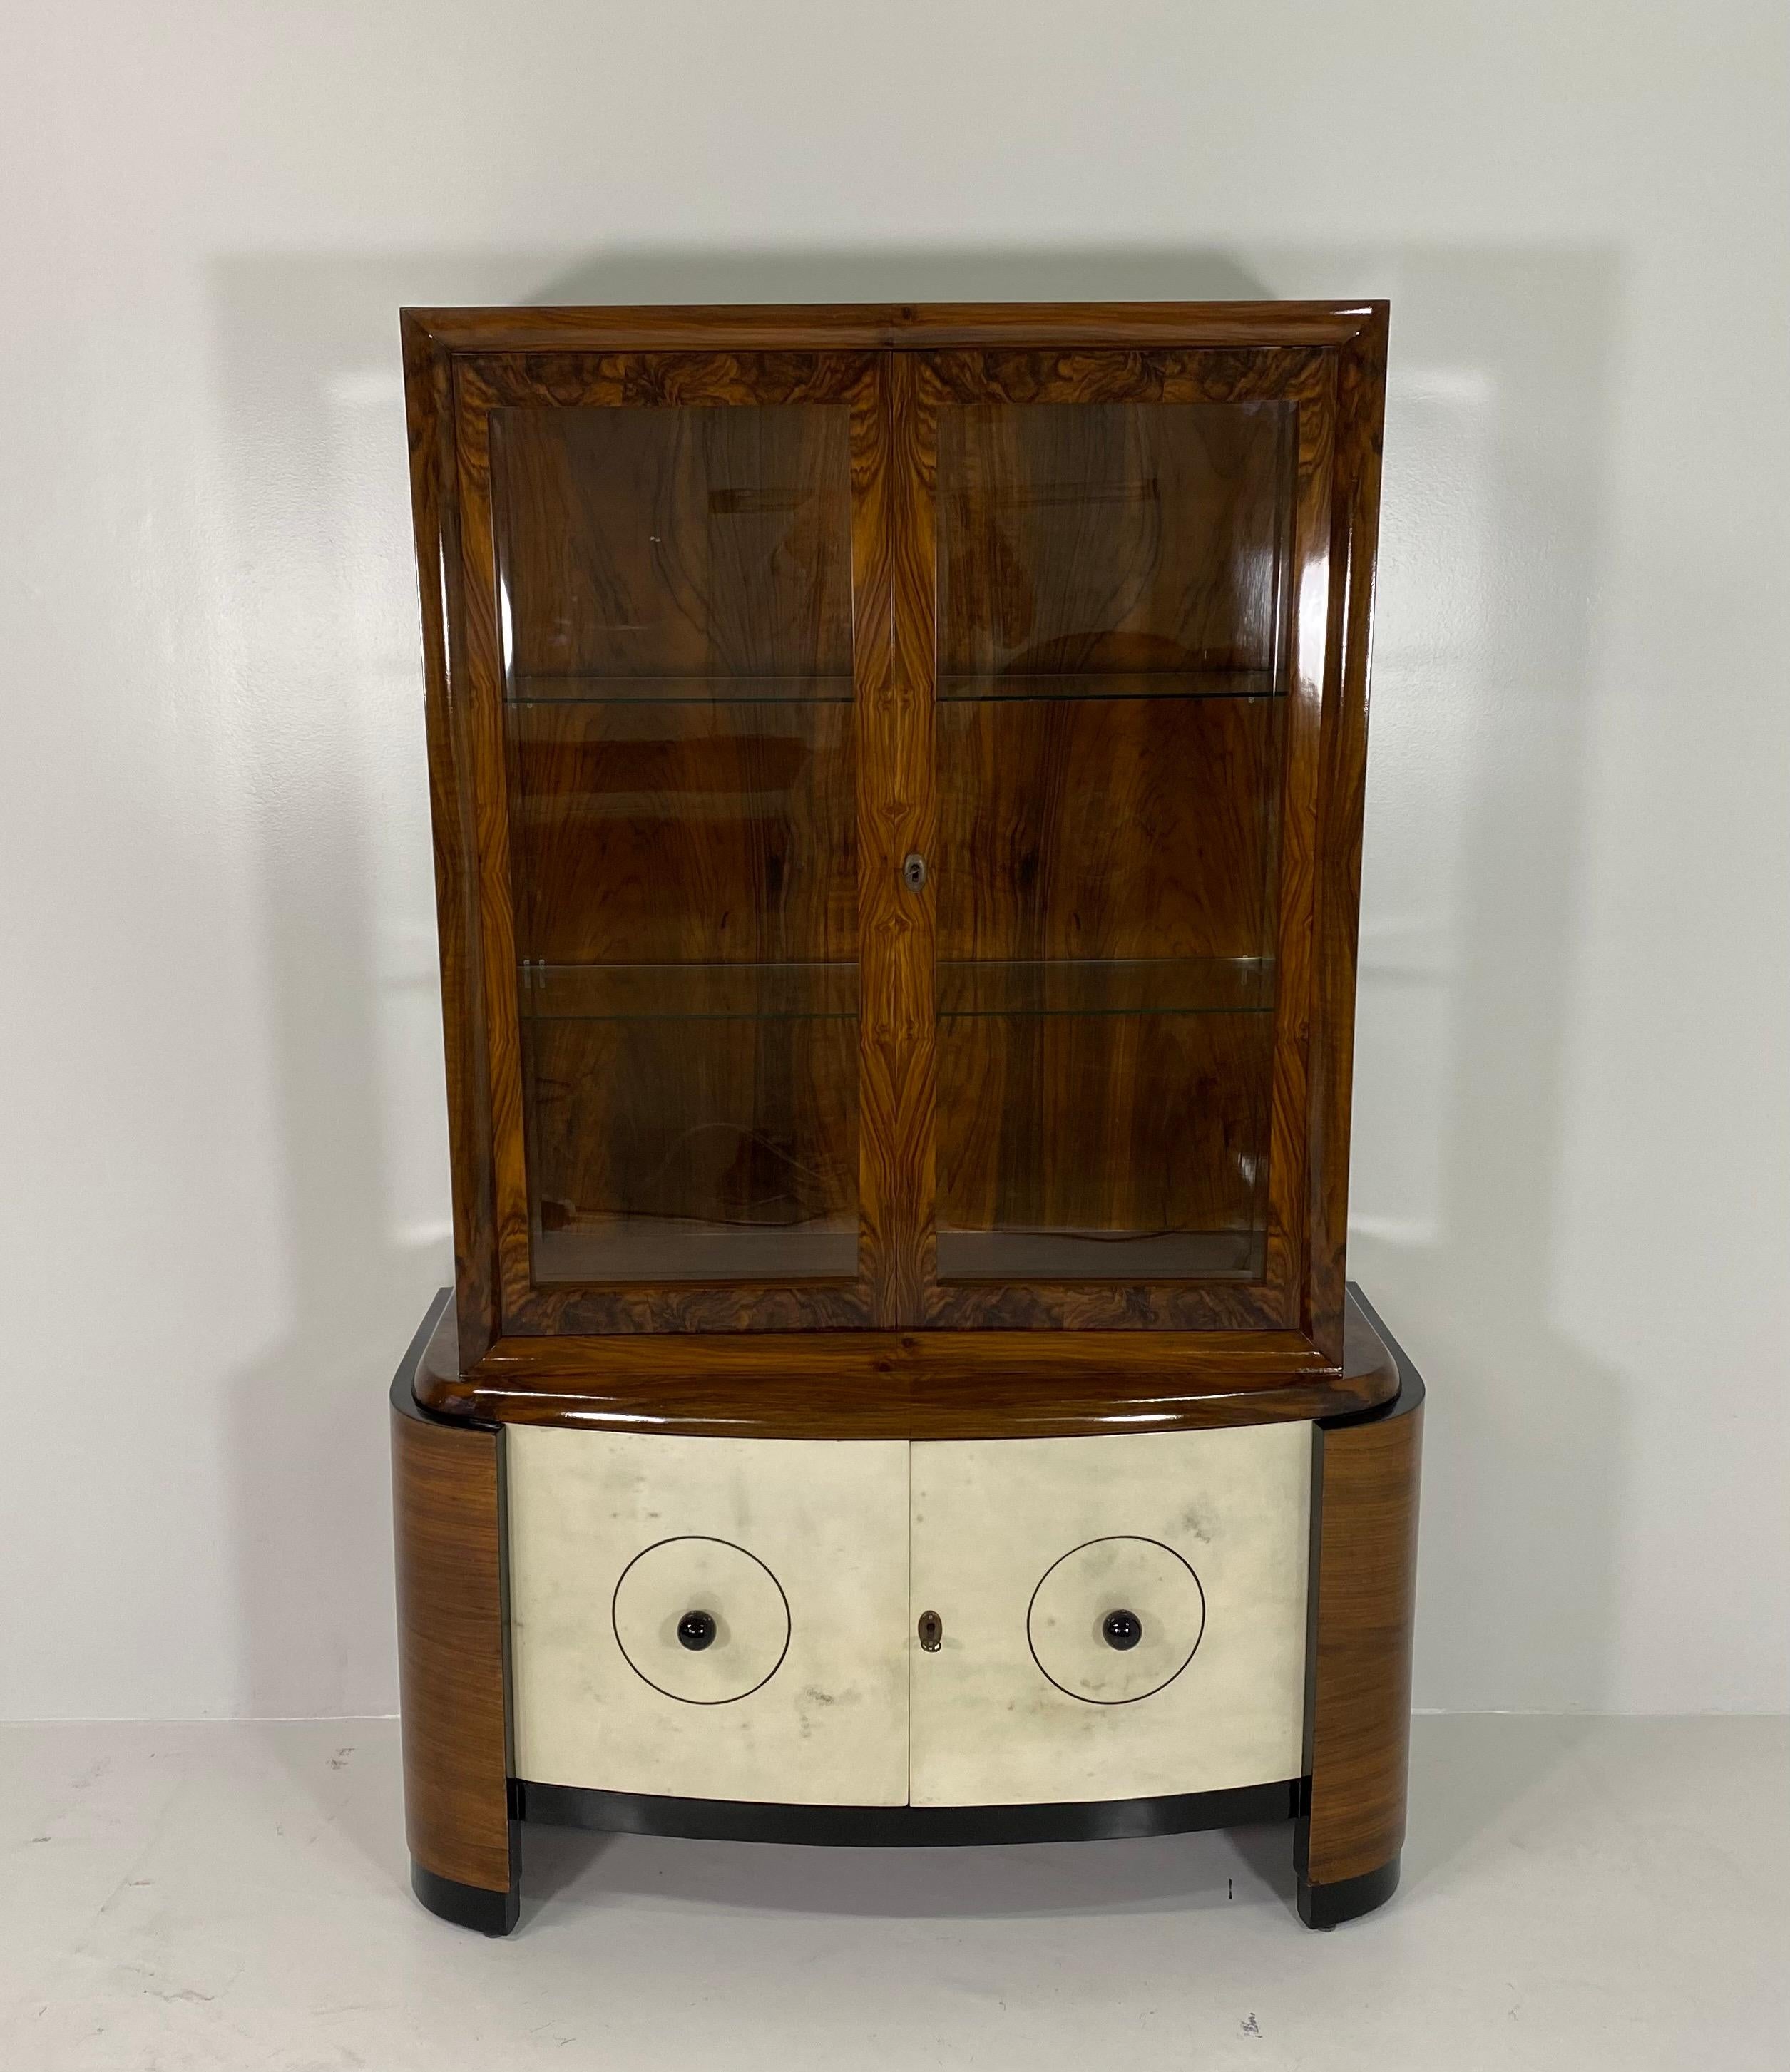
(464, 1807)
(492, 1912)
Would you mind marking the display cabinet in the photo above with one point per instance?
(897, 781)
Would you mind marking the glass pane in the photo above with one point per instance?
(1113, 587)
(676, 616)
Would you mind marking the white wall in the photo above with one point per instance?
(222, 1170)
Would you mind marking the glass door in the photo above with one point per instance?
(679, 578)
(1126, 549)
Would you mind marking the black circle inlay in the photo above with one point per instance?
(696, 1630)
(1121, 1630)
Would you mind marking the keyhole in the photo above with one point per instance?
(932, 1632)
(913, 873)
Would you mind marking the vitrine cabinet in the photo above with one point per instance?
(897, 781)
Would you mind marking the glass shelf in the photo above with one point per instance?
(688, 992)
(706, 690)
(598, 690)
(1112, 683)
(1164, 985)
(739, 992)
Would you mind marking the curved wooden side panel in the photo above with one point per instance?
(447, 1510)
(1358, 1707)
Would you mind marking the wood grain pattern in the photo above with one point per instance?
(916, 1385)
(1361, 387)
(1359, 1707)
(897, 817)
(482, 676)
(428, 382)
(1311, 649)
(446, 1521)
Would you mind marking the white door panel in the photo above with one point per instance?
(790, 1560)
(1024, 1548)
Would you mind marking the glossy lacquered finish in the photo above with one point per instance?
(905, 1385)
(897, 783)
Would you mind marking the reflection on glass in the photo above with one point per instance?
(676, 613)
(1113, 648)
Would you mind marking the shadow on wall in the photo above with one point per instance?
(1497, 445)
(1494, 484)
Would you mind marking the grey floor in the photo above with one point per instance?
(1578, 1894)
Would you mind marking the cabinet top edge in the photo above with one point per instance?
(891, 326)
(899, 1385)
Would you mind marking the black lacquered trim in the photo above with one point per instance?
(1329, 1906)
(1407, 1397)
(466, 1905)
(905, 1827)
(403, 1390)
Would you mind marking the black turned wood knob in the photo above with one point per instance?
(1121, 1630)
(695, 1630)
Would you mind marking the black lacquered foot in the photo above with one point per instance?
(466, 1905)
(1329, 1906)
